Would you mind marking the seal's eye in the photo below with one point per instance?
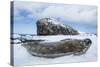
(87, 41)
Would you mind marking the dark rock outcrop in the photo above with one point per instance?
(57, 49)
(48, 26)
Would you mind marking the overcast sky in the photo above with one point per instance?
(81, 17)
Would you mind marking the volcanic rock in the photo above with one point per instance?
(48, 26)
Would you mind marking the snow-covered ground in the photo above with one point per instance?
(22, 57)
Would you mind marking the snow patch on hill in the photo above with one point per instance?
(53, 21)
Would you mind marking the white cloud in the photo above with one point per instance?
(77, 13)
(34, 8)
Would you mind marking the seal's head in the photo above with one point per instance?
(87, 42)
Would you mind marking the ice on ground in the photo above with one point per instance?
(22, 57)
(16, 35)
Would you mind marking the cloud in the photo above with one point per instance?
(76, 13)
(35, 9)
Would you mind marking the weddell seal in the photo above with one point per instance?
(57, 49)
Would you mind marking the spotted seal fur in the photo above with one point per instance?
(57, 49)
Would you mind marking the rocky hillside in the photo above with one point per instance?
(48, 26)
